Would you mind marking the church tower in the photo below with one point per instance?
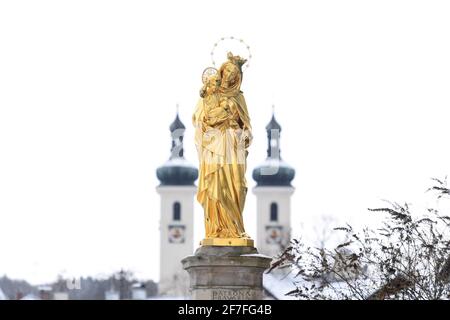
(273, 192)
(177, 190)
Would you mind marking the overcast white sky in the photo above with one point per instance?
(89, 88)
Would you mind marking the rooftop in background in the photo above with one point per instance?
(177, 171)
(273, 171)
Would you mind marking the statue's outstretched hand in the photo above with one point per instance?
(248, 138)
(203, 92)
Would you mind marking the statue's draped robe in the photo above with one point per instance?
(221, 145)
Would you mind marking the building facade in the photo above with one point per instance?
(177, 191)
(273, 192)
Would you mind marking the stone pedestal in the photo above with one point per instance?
(226, 273)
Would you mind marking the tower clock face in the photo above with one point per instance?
(274, 234)
(176, 234)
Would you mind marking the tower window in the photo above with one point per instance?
(273, 211)
(176, 211)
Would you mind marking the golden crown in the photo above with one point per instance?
(237, 60)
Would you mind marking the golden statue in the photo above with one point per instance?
(223, 134)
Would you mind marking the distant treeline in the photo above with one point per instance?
(88, 288)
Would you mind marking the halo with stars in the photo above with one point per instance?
(233, 44)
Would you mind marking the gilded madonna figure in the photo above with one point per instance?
(222, 137)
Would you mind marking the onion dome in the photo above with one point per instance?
(273, 171)
(177, 171)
